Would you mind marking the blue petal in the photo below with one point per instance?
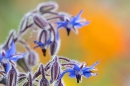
(85, 23)
(72, 74)
(8, 66)
(57, 35)
(76, 17)
(16, 57)
(76, 67)
(87, 74)
(68, 70)
(49, 42)
(92, 67)
(59, 26)
(11, 51)
(62, 24)
(85, 69)
(78, 25)
(39, 44)
(0, 57)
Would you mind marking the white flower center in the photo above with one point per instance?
(5, 60)
(69, 25)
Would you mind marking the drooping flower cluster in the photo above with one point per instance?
(43, 23)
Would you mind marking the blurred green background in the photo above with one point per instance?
(105, 39)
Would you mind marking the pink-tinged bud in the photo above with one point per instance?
(45, 7)
(31, 59)
(55, 70)
(12, 77)
(54, 47)
(40, 21)
(59, 83)
(44, 81)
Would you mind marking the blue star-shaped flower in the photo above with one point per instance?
(74, 23)
(10, 56)
(42, 46)
(77, 72)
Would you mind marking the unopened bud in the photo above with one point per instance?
(55, 70)
(31, 59)
(54, 47)
(40, 21)
(44, 81)
(12, 77)
(45, 7)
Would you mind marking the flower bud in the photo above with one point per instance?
(31, 59)
(54, 47)
(45, 7)
(44, 41)
(12, 77)
(44, 81)
(40, 21)
(55, 70)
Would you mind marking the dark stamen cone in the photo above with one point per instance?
(44, 52)
(68, 31)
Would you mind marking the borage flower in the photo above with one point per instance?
(10, 56)
(77, 72)
(74, 23)
(42, 46)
